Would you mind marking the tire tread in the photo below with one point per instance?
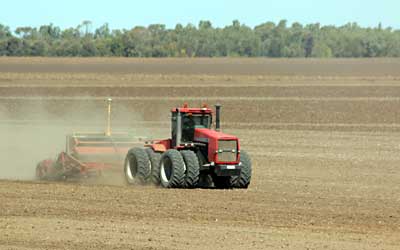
(192, 168)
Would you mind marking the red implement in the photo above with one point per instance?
(87, 155)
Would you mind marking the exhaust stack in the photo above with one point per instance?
(218, 117)
(178, 128)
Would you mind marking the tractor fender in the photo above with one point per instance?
(158, 148)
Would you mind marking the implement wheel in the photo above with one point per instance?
(137, 166)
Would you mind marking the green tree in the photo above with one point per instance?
(88, 48)
(4, 32)
(14, 47)
(321, 50)
(206, 40)
(103, 32)
(268, 39)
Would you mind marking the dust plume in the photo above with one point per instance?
(26, 142)
(32, 131)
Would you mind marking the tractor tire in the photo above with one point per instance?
(154, 158)
(192, 167)
(205, 181)
(172, 169)
(137, 166)
(243, 180)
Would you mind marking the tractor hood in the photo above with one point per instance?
(204, 135)
(212, 138)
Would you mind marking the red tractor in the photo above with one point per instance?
(195, 156)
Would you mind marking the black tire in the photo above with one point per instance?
(137, 166)
(205, 181)
(172, 169)
(192, 167)
(154, 158)
(244, 179)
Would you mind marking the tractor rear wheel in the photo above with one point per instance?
(154, 158)
(172, 169)
(137, 166)
(192, 168)
(243, 180)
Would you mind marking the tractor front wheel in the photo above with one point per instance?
(137, 166)
(172, 169)
(243, 180)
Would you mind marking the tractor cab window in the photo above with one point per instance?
(192, 121)
(189, 123)
(201, 120)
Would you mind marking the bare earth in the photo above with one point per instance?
(324, 137)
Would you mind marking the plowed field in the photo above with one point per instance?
(323, 135)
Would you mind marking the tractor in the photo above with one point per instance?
(195, 156)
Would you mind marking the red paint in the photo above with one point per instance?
(213, 136)
(193, 110)
(201, 135)
(85, 154)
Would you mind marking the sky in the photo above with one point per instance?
(127, 14)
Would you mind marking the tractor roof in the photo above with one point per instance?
(185, 109)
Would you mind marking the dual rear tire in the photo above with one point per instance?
(137, 166)
(154, 158)
(179, 169)
(172, 169)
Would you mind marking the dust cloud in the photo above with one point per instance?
(24, 145)
(32, 131)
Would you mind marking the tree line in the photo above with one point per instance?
(236, 40)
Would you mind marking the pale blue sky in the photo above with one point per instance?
(126, 14)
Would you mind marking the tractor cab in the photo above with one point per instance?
(185, 120)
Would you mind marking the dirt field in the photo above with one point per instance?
(324, 137)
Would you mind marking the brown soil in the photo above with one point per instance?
(323, 136)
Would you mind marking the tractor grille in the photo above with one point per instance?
(227, 151)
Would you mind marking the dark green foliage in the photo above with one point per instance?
(235, 40)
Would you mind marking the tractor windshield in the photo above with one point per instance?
(188, 125)
(201, 120)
